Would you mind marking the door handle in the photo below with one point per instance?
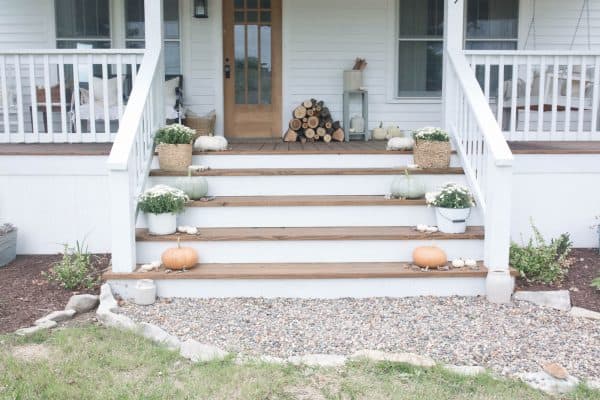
(227, 71)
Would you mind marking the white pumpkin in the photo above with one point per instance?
(400, 143)
(380, 133)
(394, 131)
(408, 187)
(211, 143)
(196, 187)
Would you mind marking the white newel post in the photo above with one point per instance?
(454, 27)
(499, 283)
(155, 41)
(123, 219)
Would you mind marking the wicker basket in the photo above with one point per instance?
(174, 157)
(204, 126)
(430, 154)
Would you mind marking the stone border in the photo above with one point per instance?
(202, 353)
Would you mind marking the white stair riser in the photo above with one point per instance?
(261, 217)
(311, 251)
(310, 288)
(318, 185)
(306, 161)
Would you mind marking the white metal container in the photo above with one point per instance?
(353, 80)
(452, 220)
(145, 292)
(162, 224)
(499, 287)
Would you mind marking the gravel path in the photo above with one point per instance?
(464, 331)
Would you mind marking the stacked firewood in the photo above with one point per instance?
(312, 122)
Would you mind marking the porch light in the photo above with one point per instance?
(200, 9)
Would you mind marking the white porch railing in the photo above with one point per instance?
(485, 156)
(541, 95)
(133, 150)
(58, 96)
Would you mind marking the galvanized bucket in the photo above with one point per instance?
(8, 248)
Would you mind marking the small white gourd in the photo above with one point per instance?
(408, 187)
(393, 132)
(380, 133)
(400, 143)
(458, 263)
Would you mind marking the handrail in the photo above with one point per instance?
(123, 146)
(70, 51)
(533, 52)
(495, 140)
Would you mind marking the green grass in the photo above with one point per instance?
(97, 363)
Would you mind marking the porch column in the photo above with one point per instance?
(454, 28)
(154, 27)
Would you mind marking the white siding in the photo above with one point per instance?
(26, 24)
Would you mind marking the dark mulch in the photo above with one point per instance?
(25, 295)
(585, 268)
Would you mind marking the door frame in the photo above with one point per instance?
(278, 83)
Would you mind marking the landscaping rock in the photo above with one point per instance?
(557, 299)
(318, 360)
(56, 316)
(107, 300)
(242, 359)
(578, 312)
(465, 370)
(546, 383)
(105, 312)
(593, 384)
(406, 358)
(198, 352)
(556, 371)
(45, 325)
(82, 303)
(158, 335)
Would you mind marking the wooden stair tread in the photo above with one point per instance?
(302, 271)
(310, 234)
(312, 171)
(304, 201)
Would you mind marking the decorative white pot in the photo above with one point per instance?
(452, 220)
(162, 224)
(499, 287)
(145, 292)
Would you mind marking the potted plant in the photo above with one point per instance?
(162, 204)
(174, 144)
(432, 148)
(452, 207)
(8, 244)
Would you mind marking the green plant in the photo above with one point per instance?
(74, 271)
(163, 199)
(596, 283)
(174, 134)
(540, 261)
(451, 195)
(431, 134)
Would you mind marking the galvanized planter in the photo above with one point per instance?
(8, 248)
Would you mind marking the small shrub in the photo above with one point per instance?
(174, 134)
(596, 283)
(74, 271)
(539, 261)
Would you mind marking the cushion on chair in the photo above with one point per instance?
(171, 97)
(113, 92)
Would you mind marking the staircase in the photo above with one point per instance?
(280, 229)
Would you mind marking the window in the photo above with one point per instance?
(420, 48)
(490, 24)
(82, 24)
(134, 31)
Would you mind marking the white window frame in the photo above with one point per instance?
(393, 30)
(109, 39)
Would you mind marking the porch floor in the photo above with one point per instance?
(277, 147)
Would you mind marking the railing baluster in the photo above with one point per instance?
(486, 84)
(120, 85)
(527, 110)
(19, 89)
(567, 129)
(500, 97)
(514, 115)
(595, 102)
(63, 96)
(77, 97)
(582, 90)
(34, 103)
(48, 96)
(555, 88)
(5, 104)
(105, 97)
(92, 95)
(541, 99)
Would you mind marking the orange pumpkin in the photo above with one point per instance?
(429, 257)
(179, 258)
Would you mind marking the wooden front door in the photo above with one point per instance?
(252, 68)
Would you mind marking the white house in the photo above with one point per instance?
(515, 82)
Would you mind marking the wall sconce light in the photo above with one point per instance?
(200, 9)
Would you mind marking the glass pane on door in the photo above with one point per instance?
(252, 43)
